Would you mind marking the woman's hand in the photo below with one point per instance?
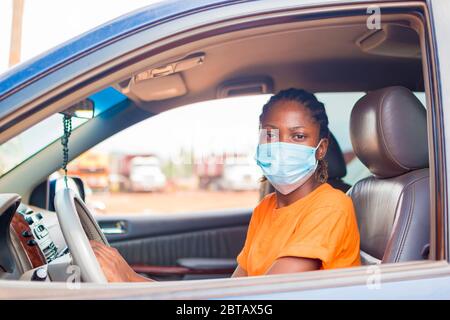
(114, 266)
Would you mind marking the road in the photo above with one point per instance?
(170, 202)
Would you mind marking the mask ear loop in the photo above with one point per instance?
(315, 150)
(318, 145)
(317, 160)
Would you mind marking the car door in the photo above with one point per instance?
(414, 279)
(189, 245)
(421, 279)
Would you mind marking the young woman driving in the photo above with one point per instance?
(305, 224)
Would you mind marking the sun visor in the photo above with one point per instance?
(391, 40)
(161, 88)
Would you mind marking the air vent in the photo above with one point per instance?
(245, 87)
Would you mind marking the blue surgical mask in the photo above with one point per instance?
(287, 166)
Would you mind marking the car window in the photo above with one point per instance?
(18, 149)
(198, 157)
(21, 147)
(339, 106)
(422, 97)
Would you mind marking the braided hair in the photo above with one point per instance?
(318, 113)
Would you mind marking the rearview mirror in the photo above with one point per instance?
(43, 195)
(83, 109)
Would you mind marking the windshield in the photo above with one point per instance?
(18, 149)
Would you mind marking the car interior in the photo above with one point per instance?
(388, 131)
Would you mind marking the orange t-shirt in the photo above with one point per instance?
(322, 225)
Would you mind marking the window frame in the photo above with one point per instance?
(437, 98)
(399, 274)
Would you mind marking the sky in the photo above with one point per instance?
(47, 23)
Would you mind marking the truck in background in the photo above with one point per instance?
(230, 173)
(240, 175)
(209, 171)
(136, 173)
(93, 169)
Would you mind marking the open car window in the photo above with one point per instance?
(18, 149)
(194, 158)
(23, 146)
(202, 154)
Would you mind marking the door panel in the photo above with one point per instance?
(165, 250)
(154, 244)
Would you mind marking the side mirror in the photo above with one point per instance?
(84, 109)
(43, 195)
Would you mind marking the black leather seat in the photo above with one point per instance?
(388, 130)
(336, 169)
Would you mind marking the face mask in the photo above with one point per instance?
(287, 166)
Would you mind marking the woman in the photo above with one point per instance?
(305, 224)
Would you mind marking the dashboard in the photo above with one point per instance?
(31, 239)
(30, 227)
(36, 239)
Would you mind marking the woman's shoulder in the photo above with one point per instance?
(264, 205)
(332, 197)
(267, 201)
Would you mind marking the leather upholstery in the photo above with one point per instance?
(388, 132)
(165, 250)
(337, 169)
(336, 163)
(393, 215)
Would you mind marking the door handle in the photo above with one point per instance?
(113, 227)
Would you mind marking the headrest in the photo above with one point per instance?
(388, 130)
(335, 159)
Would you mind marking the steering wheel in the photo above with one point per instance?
(78, 227)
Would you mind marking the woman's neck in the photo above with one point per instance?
(284, 200)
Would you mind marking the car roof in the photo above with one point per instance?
(106, 33)
(100, 36)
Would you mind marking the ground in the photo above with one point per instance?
(170, 202)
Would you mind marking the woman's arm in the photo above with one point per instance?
(293, 265)
(239, 272)
(285, 265)
(114, 266)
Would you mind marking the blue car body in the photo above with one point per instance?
(25, 82)
(103, 35)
